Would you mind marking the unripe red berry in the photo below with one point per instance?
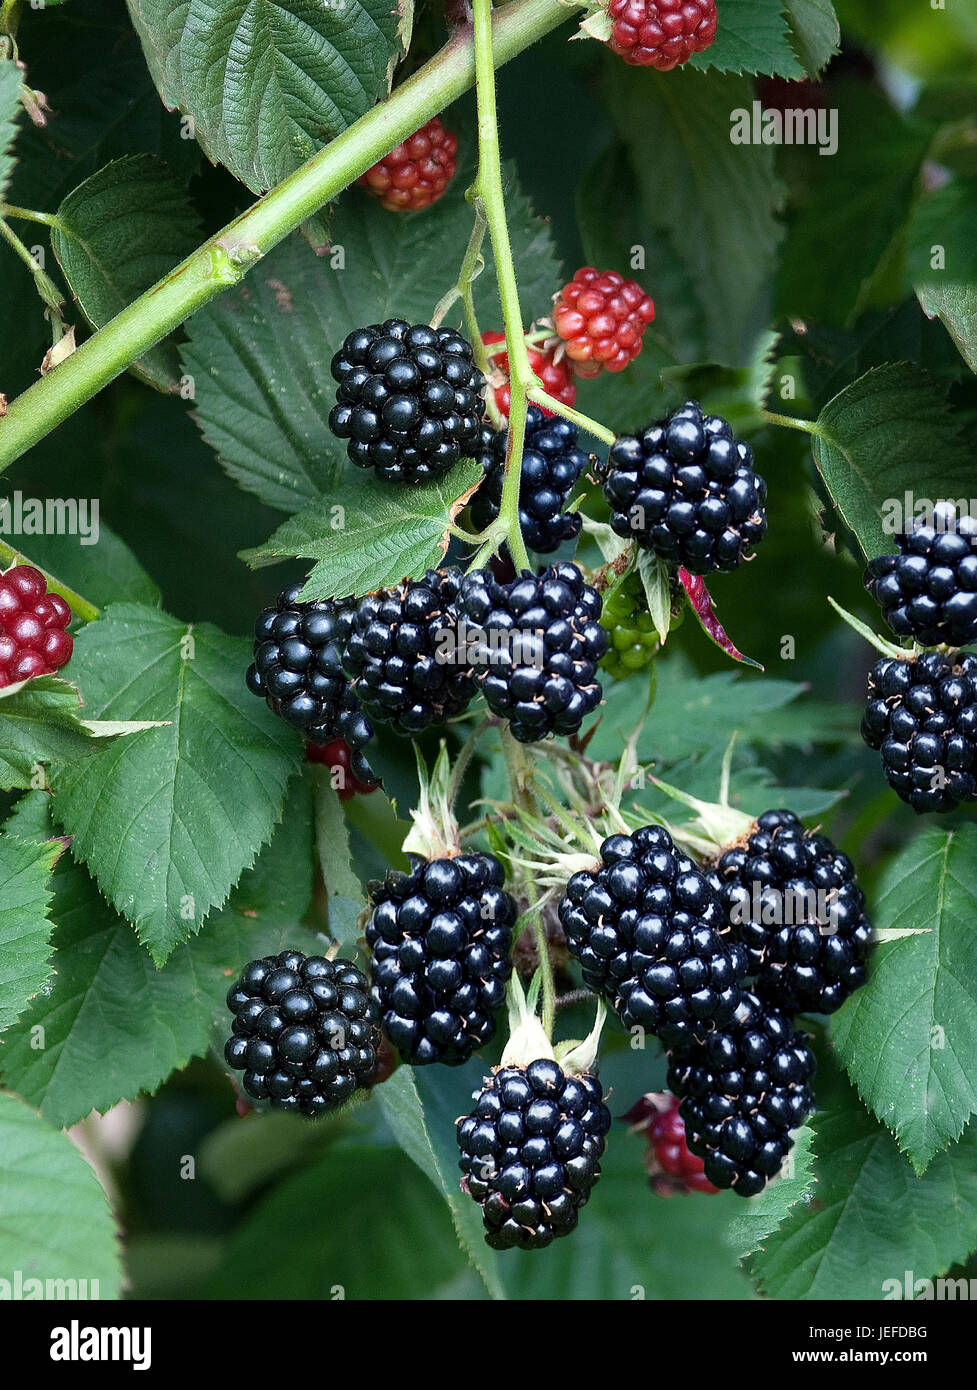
(556, 378)
(671, 1167)
(661, 34)
(33, 640)
(338, 757)
(602, 317)
(416, 172)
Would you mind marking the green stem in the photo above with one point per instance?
(791, 422)
(517, 767)
(47, 219)
(225, 258)
(45, 286)
(488, 191)
(540, 397)
(80, 607)
(9, 17)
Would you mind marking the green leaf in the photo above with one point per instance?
(752, 37)
(117, 234)
(168, 819)
(329, 1233)
(401, 1103)
(259, 355)
(716, 202)
(694, 714)
(25, 950)
(10, 82)
(890, 433)
(854, 208)
(909, 1038)
(944, 227)
(815, 31)
(758, 1217)
(111, 1025)
(39, 725)
(871, 1218)
(55, 1220)
(268, 84)
(105, 572)
(373, 536)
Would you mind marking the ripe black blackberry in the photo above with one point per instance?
(305, 1031)
(297, 668)
(743, 1089)
(409, 399)
(794, 902)
(551, 465)
(440, 937)
(536, 647)
(651, 936)
(530, 1152)
(687, 490)
(922, 716)
(928, 591)
(403, 656)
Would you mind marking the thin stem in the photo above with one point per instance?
(80, 607)
(583, 422)
(223, 260)
(517, 767)
(488, 190)
(791, 422)
(45, 286)
(47, 219)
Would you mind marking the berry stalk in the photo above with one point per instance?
(489, 201)
(226, 257)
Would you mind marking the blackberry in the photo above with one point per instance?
(922, 716)
(630, 628)
(34, 640)
(440, 937)
(409, 399)
(404, 657)
(661, 34)
(530, 1152)
(742, 1090)
(305, 1031)
(551, 465)
(928, 591)
(686, 489)
(298, 669)
(601, 318)
(651, 936)
(539, 643)
(795, 904)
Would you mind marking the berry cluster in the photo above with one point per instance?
(922, 716)
(650, 933)
(928, 591)
(440, 937)
(416, 172)
(403, 655)
(409, 399)
(297, 668)
(551, 465)
(531, 1150)
(556, 378)
(661, 34)
(796, 906)
(305, 1031)
(33, 623)
(630, 627)
(671, 1167)
(743, 1089)
(687, 490)
(602, 318)
(541, 640)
